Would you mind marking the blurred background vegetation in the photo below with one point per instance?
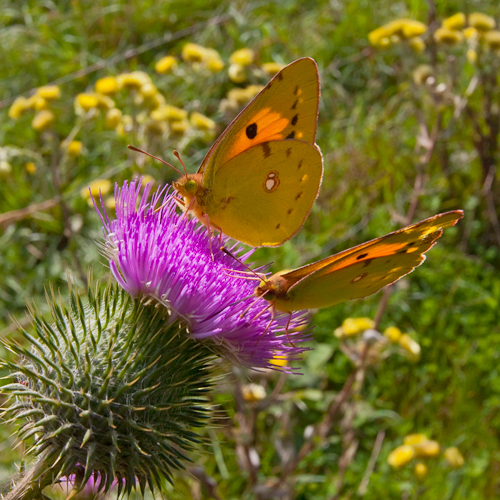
(409, 126)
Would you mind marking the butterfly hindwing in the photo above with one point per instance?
(267, 202)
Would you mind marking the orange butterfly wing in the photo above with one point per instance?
(364, 269)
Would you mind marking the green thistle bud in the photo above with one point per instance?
(108, 390)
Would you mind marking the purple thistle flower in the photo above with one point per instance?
(156, 253)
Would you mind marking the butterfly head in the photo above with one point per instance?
(188, 185)
(273, 287)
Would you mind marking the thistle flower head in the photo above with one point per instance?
(155, 253)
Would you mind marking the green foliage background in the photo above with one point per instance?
(368, 129)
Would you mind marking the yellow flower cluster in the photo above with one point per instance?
(253, 393)
(419, 446)
(398, 30)
(475, 28)
(352, 326)
(40, 102)
(410, 347)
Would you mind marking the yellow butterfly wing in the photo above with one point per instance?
(364, 269)
(267, 202)
(287, 108)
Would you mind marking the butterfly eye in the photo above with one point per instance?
(191, 186)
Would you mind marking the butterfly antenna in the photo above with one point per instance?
(178, 156)
(133, 148)
(227, 252)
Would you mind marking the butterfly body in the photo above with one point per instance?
(259, 180)
(357, 272)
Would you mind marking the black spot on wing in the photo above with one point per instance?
(288, 152)
(367, 262)
(251, 131)
(295, 119)
(280, 76)
(299, 166)
(361, 256)
(266, 149)
(291, 135)
(294, 105)
(296, 90)
(402, 251)
(277, 226)
(297, 196)
(289, 211)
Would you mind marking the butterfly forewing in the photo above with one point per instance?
(287, 108)
(365, 269)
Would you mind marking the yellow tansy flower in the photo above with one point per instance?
(113, 117)
(427, 448)
(213, 61)
(411, 28)
(145, 179)
(471, 55)
(107, 85)
(353, 326)
(156, 127)
(102, 186)
(86, 102)
(421, 73)
(411, 347)
(192, 52)
(492, 39)
(413, 439)
(243, 57)
(49, 92)
(401, 456)
(279, 361)
(201, 122)
(125, 126)
(454, 22)
(237, 73)
(470, 33)
(30, 167)
(454, 457)
(169, 113)
(271, 68)
(481, 22)
(179, 127)
(43, 120)
(18, 107)
(450, 37)
(74, 148)
(421, 470)
(134, 80)
(109, 203)
(417, 44)
(40, 103)
(166, 64)
(253, 392)
(393, 334)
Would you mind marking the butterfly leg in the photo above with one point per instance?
(288, 328)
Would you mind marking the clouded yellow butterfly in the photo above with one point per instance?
(356, 272)
(259, 180)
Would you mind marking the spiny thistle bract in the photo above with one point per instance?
(108, 391)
